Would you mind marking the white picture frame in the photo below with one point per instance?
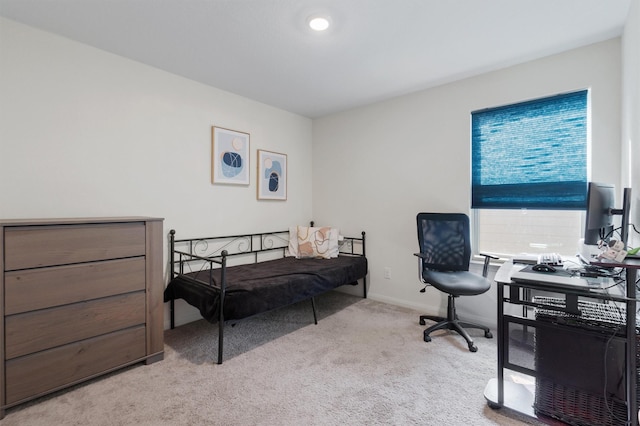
(229, 156)
(272, 175)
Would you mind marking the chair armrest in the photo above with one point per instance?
(487, 259)
(485, 268)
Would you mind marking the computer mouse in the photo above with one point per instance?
(543, 267)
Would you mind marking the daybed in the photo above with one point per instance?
(234, 277)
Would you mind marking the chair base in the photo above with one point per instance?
(451, 322)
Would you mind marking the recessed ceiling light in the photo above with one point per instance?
(318, 23)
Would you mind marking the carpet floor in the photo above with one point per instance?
(364, 363)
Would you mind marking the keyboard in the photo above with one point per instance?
(550, 258)
(531, 259)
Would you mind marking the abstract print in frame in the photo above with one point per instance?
(272, 175)
(229, 156)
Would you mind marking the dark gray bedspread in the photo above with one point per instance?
(260, 287)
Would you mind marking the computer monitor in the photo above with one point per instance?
(601, 209)
(601, 198)
(625, 211)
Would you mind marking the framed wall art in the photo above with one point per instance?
(272, 175)
(229, 156)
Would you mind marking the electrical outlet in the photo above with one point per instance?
(387, 273)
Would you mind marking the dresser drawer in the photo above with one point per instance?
(44, 329)
(35, 374)
(32, 289)
(38, 246)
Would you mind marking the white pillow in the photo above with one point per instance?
(334, 238)
(292, 250)
(319, 242)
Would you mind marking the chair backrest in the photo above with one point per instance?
(444, 241)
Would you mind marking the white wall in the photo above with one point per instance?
(631, 112)
(87, 133)
(376, 167)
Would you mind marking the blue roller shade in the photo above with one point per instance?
(531, 154)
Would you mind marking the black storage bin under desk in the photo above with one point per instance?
(569, 362)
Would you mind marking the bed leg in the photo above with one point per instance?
(220, 340)
(364, 287)
(313, 306)
(172, 309)
(364, 253)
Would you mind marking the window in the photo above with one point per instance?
(506, 232)
(529, 174)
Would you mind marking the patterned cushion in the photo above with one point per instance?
(305, 241)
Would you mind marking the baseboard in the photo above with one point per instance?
(403, 303)
(433, 310)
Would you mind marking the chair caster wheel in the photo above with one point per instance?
(427, 338)
(422, 321)
(488, 335)
(473, 348)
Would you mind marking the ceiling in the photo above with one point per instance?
(374, 50)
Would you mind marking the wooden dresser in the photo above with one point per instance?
(79, 298)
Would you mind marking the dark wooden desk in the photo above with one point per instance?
(517, 394)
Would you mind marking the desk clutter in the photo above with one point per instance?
(569, 355)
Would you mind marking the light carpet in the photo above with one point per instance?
(364, 363)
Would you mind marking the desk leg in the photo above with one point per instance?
(494, 391)
(632, 405)
(501, 343)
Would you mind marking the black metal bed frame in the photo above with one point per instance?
(241, 246)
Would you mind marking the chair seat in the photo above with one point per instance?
(457, 283)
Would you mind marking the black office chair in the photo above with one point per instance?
(445, 252)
